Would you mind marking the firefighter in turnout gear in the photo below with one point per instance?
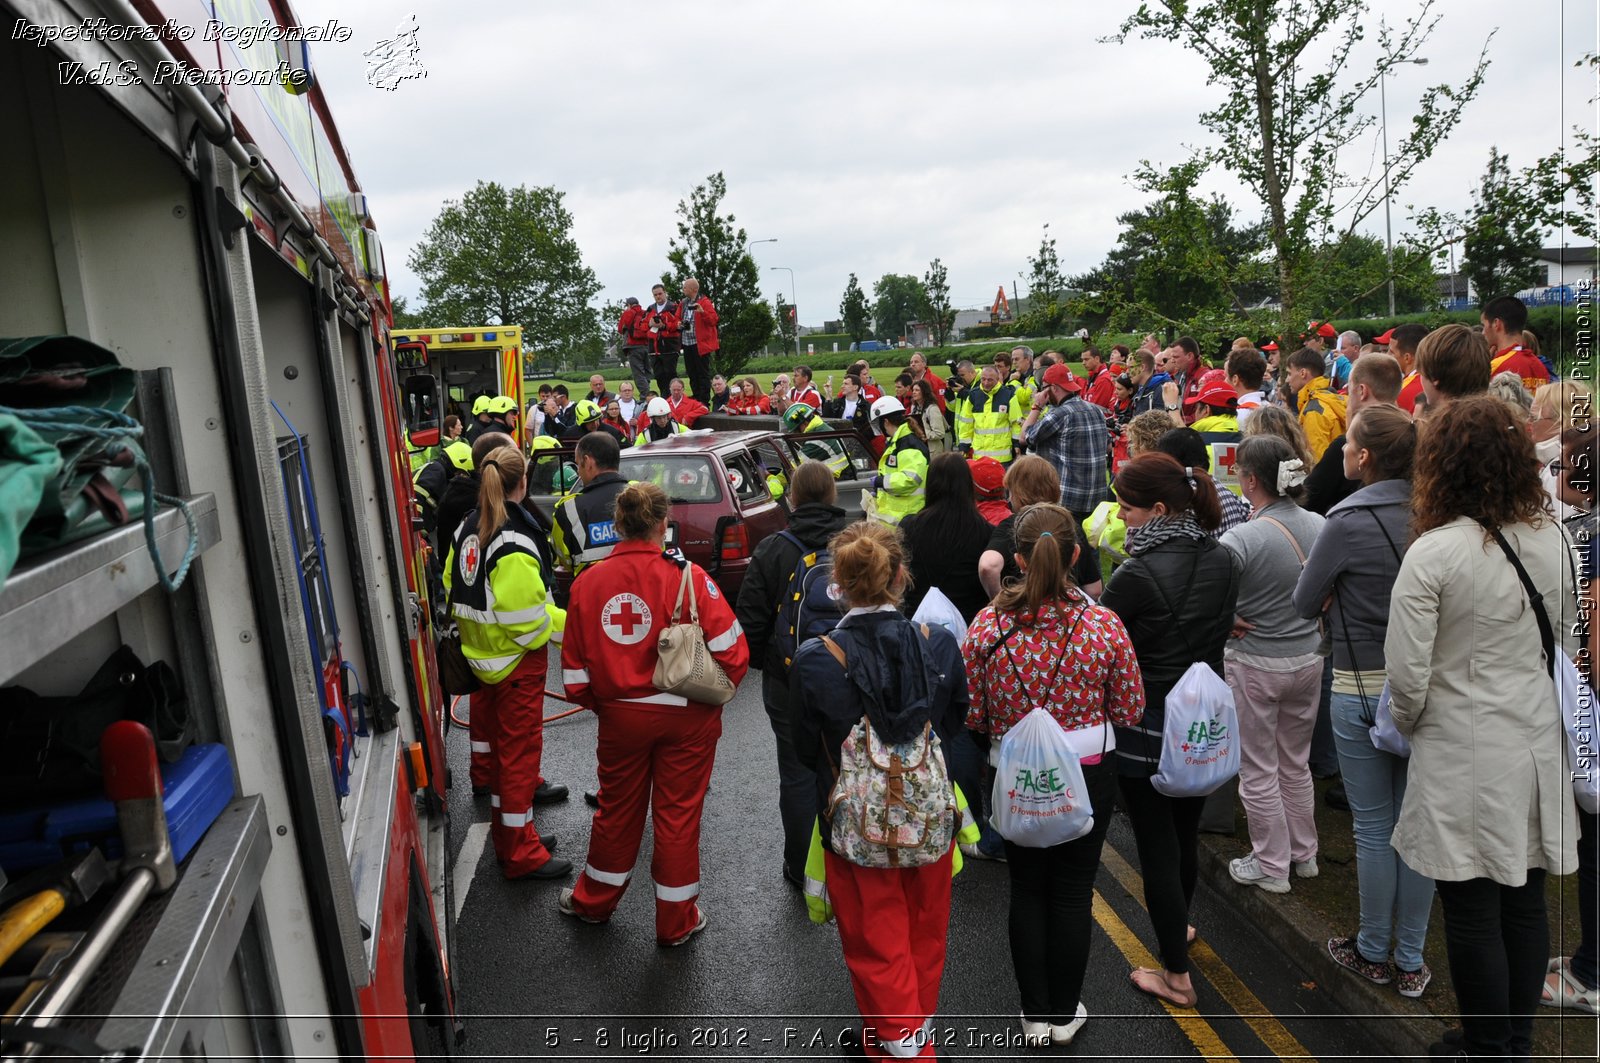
(801, 417)
(984, 419)
(661, 425)
(902, 476)
(585, 519)
(502, 606)
(655, 748)
(432, 478)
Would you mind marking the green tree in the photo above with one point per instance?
(1351, 278)
(898, 299)
(1503, 235)
(1286, 115)
(1047, 310)
(501, 256)
(787, 325)
(853, 310)
(404, 317)
(713, 249)
(936, 308)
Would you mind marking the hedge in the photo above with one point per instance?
(1557, 328)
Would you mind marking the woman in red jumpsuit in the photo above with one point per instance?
(655, 749)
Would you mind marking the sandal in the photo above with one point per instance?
(1156, 986)
(1562, 990)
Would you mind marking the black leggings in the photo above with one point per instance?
(1497, 938)
(1052, 895)
(1165, 829)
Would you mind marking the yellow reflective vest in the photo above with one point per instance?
(984, 422)
(904, 468)
(498, 596)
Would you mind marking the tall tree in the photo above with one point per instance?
(898, 300)
(1047, 285)
(1350, 279)
(501, 256)
(853, 310)
(1287, 113)
(787, 323)
(941, 316)
(711, 247)
(1503, 235)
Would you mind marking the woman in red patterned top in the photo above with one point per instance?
(1044, 644)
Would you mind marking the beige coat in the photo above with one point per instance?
(1488, 794)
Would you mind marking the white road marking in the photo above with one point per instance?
(467, 862)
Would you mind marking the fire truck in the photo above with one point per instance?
(180, 197)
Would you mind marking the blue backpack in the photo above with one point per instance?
(812, 606)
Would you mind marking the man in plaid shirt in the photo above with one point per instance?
(1071, 437)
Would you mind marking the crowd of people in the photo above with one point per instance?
(1358, 538)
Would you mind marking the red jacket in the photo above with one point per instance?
(705, 326)
(750, 404)
(667, 337)
(635, 333)
(939, 387)
(1102, 389)
(810, 396)
(619, 609)
(687, 410)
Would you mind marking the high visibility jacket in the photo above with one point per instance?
(984, 423)
(650, 433)
(1218, 428)
(1021, 401)
(498, 595)
(430, 480)
(834, 458)
(818, 907)
(904, 468)
(585, 530)
(1322, 415)
(618, 609)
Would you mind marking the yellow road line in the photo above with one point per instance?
(1196, 1029)
(1246, 1005)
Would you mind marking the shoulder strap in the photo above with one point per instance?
(835, 649)
(1287, 534)
(1547, 634)
(1386, 536)
(684, 590)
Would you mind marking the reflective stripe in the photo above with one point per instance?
(911, 1045)
(570, 676)
(481, 747)
(516, 819)
(495, 617)
(658, 699)
(677, 893)
(491, 665)
(494, 800)
(726, 640)
(816, 889)
(607, 878)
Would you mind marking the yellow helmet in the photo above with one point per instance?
(502, 404)
(480, 405)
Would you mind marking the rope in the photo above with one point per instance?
(122, 434)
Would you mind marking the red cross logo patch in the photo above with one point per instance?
(625, 619)
(470, 560)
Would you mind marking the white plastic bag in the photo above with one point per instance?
(1576, 702)
(1385, 736)
(936, 608)
(1039, 798)
(1200, 741)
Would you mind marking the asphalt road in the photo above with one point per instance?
(763, 982)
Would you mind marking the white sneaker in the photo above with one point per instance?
(1246, 871)
(1035, 1034)
(1306, 868)
(1063, 1035)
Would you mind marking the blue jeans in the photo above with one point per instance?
(1394, 899)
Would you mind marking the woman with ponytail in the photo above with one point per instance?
(1176, 595)
(1350, 575)
(499, 595)
(1045, 644)
(1273, 667)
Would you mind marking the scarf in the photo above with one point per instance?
(1158, 530)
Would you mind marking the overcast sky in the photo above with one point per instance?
(867, 136)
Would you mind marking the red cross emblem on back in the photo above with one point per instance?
(625, 618)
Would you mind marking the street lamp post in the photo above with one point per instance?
(748, 244)
(1383, 104)
(792, 302)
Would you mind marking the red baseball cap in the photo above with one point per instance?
(1062, 377)
(988, 476)
(1216, 394)
(1270, 345)
(1327, 331)
(1385, 337)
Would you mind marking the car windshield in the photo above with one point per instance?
(684, 477)
(829, 449)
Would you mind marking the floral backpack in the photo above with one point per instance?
(893, 804)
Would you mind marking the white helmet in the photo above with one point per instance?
(657, 407)
(886, 405)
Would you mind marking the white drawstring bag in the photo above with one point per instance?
(1200, 741)
(1385, 736)
(1577, 719)
(937, 608)
(1040, 798)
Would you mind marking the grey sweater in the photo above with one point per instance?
(1268, 570)
(1356, 559)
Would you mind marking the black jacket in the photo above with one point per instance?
(1177, 601)
(1326, 485)
(946, 557)
(766, 581)
(896, 678)
(460, 498)
(833, 409)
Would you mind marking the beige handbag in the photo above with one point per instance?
(683, 665)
